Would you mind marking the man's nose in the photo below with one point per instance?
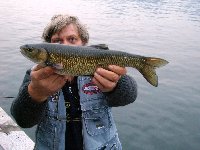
(65, 42)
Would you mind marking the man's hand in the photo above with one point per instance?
(45, 82)
(106, 80)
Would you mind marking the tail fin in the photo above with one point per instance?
(148, 70)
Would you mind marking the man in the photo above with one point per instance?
(72, 112)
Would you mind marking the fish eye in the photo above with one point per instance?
(30, 50)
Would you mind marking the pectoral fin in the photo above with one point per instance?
(58, 66)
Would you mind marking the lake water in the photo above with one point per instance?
(162, 118)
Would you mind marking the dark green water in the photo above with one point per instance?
(162, 118)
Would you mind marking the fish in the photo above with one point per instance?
(84, 60)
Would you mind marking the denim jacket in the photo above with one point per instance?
(98, 127)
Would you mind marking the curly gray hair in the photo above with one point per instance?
(58, 22)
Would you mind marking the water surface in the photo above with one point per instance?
(166, 117)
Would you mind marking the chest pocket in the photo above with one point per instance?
(95, 111)
(97, 121)
(88, 90)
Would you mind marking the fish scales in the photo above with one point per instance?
(87, 62)
(83, 60)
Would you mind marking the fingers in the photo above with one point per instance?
(55, 79)
(107, 80)
(39, 90)
(45, 82)
(109, 75)
(39, 73)
(104, 84)
(36, 67)
(117, 69)
(68, 78)
(98, 84)
(54, 83)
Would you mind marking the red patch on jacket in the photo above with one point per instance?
(90, 88)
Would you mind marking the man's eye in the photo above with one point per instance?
(56, 41)
(72, 39)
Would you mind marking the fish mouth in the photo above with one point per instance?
(22, 49)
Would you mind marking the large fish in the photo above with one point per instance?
(83, 60)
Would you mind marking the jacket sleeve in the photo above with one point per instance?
(26, 112)
(124, 93)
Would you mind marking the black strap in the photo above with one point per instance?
(73, 134)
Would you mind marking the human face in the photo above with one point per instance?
(68, 36)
